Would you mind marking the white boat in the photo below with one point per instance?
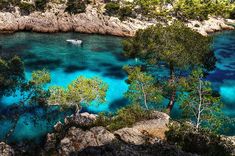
(74, 41)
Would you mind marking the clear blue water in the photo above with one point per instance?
(223, 77)
(99, 56)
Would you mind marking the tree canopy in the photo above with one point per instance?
(143, 88)
(11, 75)
(176, 45)
(80, 91)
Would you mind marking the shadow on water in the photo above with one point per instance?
(74, 68)
(220, 75)
(117, 104)
(43, 63)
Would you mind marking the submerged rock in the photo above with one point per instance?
(6, 150)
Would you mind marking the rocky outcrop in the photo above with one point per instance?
(211, 25)
(230, 139)
(92, 21)
(6, 150)
(75, 139)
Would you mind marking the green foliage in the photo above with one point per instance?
(35, 87)
(76, 6)
(199, 104)
(142, 89)
(40, 77)
(200, 9)
(148, 8)
(112, 8)
(232, 14)
(125, 117)
(26, 8)
(176, 45)
(11, 75)
(125, 12)
(202, 142)
(40, 4)
(80, 91)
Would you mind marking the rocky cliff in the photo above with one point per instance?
(91, 21)
(76, 136)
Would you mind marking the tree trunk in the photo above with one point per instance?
(173, 92)
(145, 97)
(199, 106)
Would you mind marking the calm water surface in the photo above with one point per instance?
(99, 56)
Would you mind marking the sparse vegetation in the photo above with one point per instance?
(125, 117)
(202, 142)
(76, 6)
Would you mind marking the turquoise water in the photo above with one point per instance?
(223, 78)
(99, 56)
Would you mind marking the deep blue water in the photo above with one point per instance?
(99, 56)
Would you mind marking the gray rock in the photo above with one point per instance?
(6, 150)
(130, 135)
(77, 139)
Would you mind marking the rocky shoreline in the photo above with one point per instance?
(93, 21)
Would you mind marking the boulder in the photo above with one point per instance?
(76, 139)
(130, 135)
(6, 150)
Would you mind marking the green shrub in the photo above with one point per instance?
(26, 8)
(200, 10)
(40, 4)
(112, 8)
(124, 117)
(232, 14)
(76, 6)
(202, 142)
(125, 12)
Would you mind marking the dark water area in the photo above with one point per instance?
(98, 56)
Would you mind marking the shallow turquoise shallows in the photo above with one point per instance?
(98, 56)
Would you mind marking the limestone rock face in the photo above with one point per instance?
(92, 21)
(69, 138)
(210, 26)
(6, 150)
(55, 20)
(77, 139)
(142, 131)
(130, 135)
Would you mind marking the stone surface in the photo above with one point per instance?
(6, 150)
(213, 24)
(92, 21)
(77, 139)
(130, 135)
(122, 149)
(232, 140)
